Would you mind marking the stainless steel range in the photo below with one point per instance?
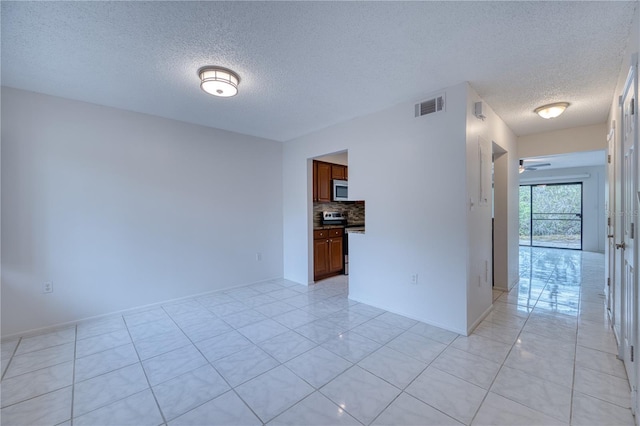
(334, 218)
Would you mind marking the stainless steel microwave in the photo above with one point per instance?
(340, 190)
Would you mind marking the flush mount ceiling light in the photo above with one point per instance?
(551, 110)
(219, 81)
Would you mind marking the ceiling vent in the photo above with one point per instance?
(430, 106)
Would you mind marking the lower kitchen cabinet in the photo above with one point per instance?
(328, 258)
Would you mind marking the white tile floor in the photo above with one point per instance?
(281, 353)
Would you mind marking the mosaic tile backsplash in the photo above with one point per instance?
(353, 209)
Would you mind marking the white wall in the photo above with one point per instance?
(412, 174)
(342, 158)
(565, 141)
(415, 206)
(491, 130)
(593, 211)
(120, 209)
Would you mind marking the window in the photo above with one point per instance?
(551, 215)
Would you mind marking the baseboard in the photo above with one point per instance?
(413, 317)
(479, 320)
(514, 283)
(58, 326)
(501, 287)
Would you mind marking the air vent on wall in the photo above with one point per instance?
(430, 106)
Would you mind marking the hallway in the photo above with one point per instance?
(563, 361)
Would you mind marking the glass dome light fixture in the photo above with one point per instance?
(219, 81)
(551, 110)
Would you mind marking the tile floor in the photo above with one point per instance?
(281, 353)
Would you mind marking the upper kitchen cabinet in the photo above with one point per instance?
(338, 172)
(323, 174)
(323, 181)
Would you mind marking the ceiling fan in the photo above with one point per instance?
(522, 167)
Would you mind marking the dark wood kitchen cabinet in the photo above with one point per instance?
(322, 184)
(336, 257)
(323, 174)
(338, 172)
(320, 258)
(328, 258)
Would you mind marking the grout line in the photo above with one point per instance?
(231, 388)
(428, 364)
(331, 299)
(164, 419)
(511, 349)
(499, 370)
(73, 374)
(575, 348)
(13, 353)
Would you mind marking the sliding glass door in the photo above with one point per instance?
(551, 215)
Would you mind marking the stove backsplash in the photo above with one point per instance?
(353, 209)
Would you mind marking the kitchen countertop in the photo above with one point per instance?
(355, 230)
(352, 228)
(317, 228)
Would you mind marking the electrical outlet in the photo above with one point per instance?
(414, 278)
(47, 287)
(258, 256)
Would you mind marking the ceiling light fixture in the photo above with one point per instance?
(551, 110)
(219, 81)
(521, 167)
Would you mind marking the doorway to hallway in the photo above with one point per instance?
(551, 215)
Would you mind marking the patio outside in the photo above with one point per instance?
(551, 215)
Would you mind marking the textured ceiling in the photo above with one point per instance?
(307, 65)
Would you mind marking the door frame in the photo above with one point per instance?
(612, 284)
(629, 293)
(531, 185)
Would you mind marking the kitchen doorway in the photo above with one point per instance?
(551, 215)
(334, 216)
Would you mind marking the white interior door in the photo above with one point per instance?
(618, 265)
(627, 246)
(610, 252)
